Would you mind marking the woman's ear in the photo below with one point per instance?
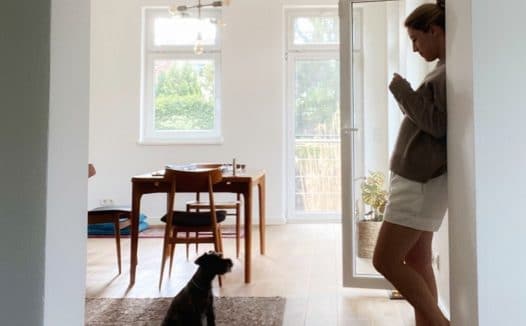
(435, 30)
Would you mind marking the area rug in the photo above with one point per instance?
(229, 311)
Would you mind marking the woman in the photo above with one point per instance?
(418, 191)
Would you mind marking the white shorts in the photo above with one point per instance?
(417, 205)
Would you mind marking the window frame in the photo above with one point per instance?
(292, 13)
(150, 53)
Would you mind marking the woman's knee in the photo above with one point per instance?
(420, 256)
(392, 245)
(419, 263)
(383, 262)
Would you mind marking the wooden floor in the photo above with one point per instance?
(303, 264)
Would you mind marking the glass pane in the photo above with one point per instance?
(183, 31)
(317, 140)
(184, 95)
(317, 99)
(316, 30)
(375, 57)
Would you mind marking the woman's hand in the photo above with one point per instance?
(399, 81)
(399, 85)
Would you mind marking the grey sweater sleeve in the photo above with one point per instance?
(425, 107)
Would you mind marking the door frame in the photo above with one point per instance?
(349, 276)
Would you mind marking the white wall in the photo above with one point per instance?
(252, 95)
(24, 91)
(65, 250)
(487, 156)
(43, 162)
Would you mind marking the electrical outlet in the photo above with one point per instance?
(106, 202)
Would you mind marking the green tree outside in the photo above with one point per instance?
(317, 146)
(185, 95)
(317, 99)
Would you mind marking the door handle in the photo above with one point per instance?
(347, 131)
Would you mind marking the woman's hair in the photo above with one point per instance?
(426, 15)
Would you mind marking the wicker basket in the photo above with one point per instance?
(367, 235)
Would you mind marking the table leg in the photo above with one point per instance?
(136, 209)
(262, 220)
(247, 194)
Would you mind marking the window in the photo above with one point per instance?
(313, 113)
(180, 89)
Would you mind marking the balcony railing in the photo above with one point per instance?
(317, 175)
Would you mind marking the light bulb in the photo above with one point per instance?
(175, 10)
(172, 10)
(198, 47)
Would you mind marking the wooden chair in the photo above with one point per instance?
(196, 180)
(119, 216)
(233, 208)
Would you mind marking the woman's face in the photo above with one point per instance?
(427, 44)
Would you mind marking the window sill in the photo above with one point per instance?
(189, 141)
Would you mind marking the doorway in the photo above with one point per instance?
(370, 54)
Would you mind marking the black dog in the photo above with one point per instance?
(194, 304)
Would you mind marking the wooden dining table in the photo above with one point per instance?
(241, 183)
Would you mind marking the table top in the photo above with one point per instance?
(241, 175)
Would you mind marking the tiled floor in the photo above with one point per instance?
(303, 264)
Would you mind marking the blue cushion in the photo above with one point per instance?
(184, 218)
(107, 228)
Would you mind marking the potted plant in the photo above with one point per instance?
(374, 196)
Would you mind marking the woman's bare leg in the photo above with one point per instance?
(420, 259)
(392, 247)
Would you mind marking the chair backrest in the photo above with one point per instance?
(195, 180)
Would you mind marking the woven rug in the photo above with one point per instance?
(229, 311)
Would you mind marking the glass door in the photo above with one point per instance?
(369, 55)
(313, 115)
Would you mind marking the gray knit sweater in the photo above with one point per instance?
(420, 150)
